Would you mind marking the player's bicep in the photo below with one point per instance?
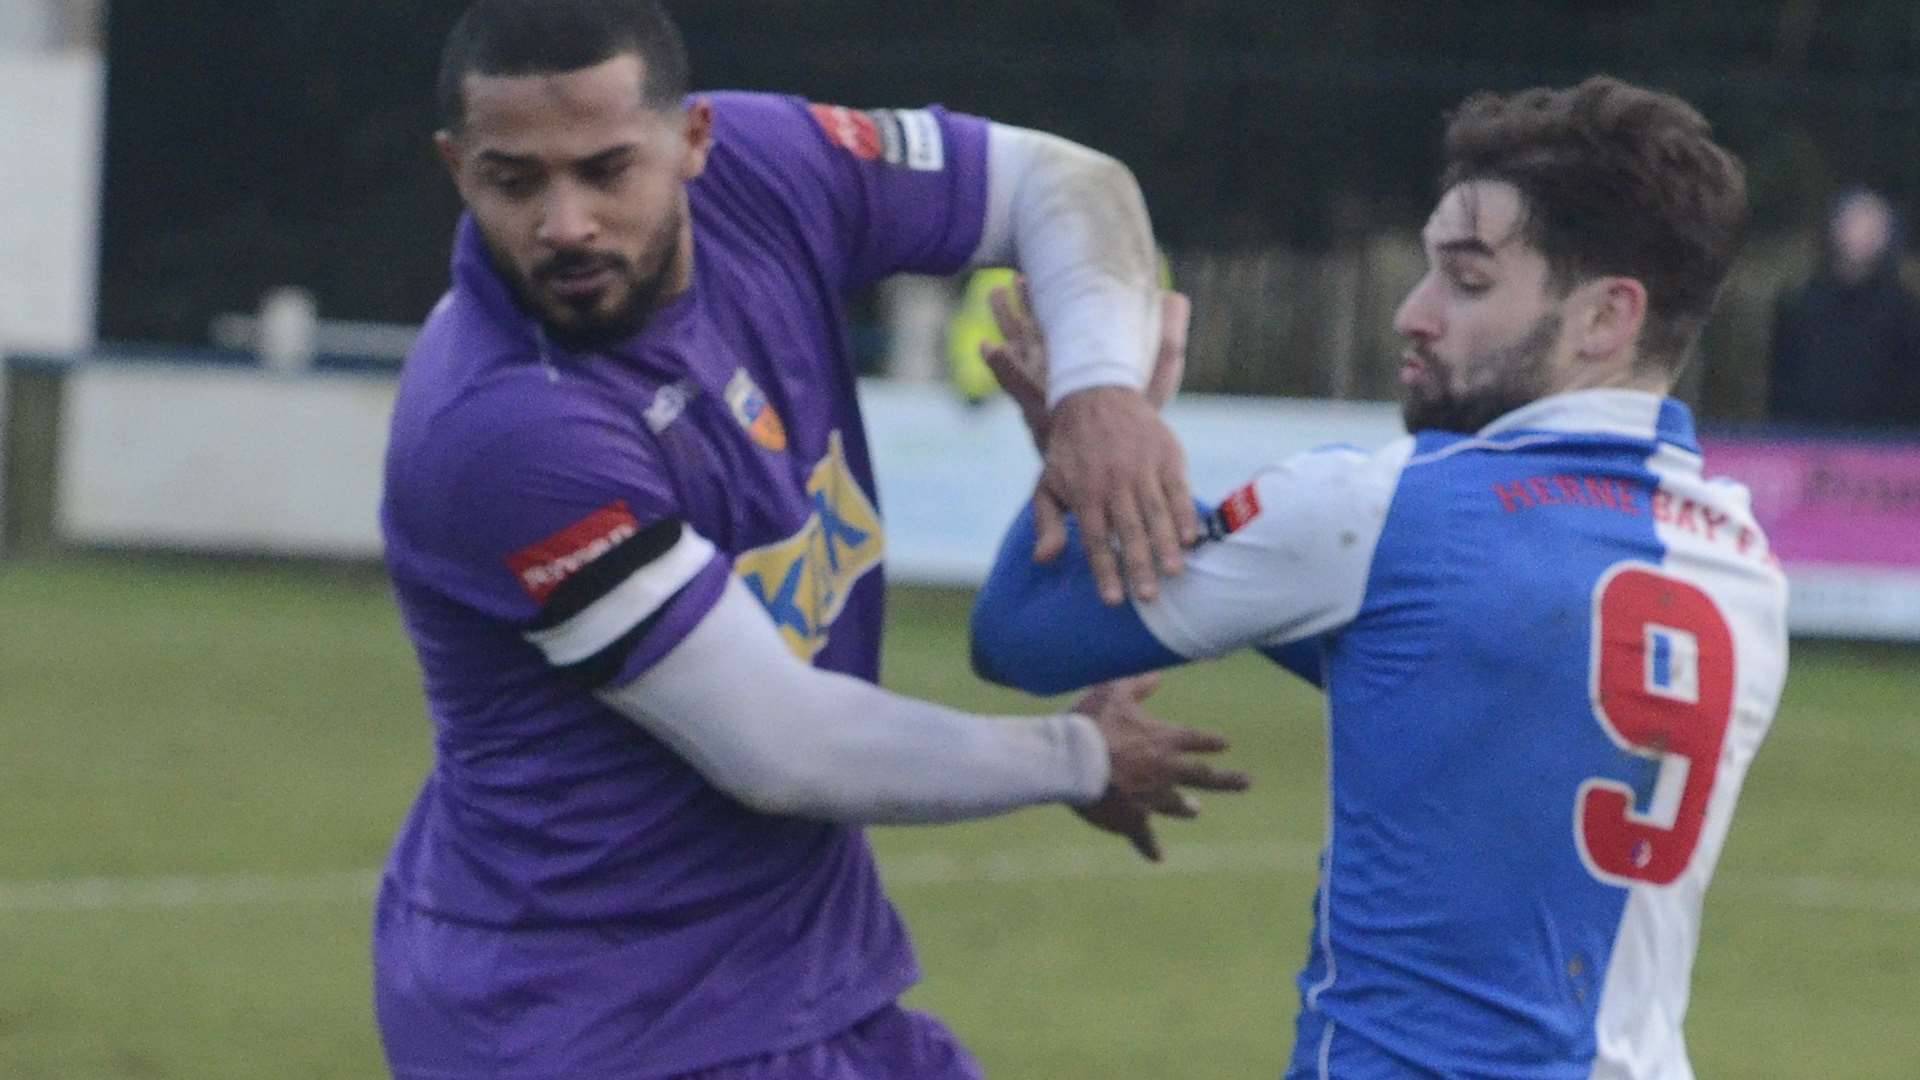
(910, 186)
(560, 522)
(610, 618)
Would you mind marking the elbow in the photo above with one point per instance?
(779, 786)
(790, 796)
(1006, 652)
(997, 648)
(984, 646)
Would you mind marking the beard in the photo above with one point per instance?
(1498, 381)
(616, 312)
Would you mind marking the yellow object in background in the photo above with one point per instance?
(972, 326)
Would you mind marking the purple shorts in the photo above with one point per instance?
(458, 1002)
(892, 1044)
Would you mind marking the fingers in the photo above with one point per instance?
(1000, 360)
(1174, 803)
(1186, 519)
(1170, 363)
(1195, 741)
(1050, 528)
(1139, 547)
(1100, 558)
(1141, 687)
(1163, 528)
(1140, 833)
(1198, 774)
(1004, 317)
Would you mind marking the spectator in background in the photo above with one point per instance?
(1846, 343)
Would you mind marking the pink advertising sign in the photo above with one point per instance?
(1829, 503)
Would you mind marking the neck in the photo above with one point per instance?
(681, 277)
(1624, 372)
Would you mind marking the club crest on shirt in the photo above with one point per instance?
(804, 580)
(1232, 515)
(543, 566)
(755, 413)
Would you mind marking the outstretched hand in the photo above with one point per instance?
(1109, 458)
(1150, 762)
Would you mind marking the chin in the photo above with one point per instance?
(595, 329)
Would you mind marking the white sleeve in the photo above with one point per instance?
(784, 737)
(1287, 556)
(1073, 220)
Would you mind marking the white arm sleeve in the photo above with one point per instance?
(787, 738)
(1073, 220)
(1289, 556)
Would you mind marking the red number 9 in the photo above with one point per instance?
(1663, 689)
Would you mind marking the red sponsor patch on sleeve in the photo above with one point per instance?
(851, 130)
(542, 567)
(1241, 507)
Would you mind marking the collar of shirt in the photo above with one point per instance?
(1633, 413)
(475, 273)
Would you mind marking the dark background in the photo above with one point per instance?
(287, 141)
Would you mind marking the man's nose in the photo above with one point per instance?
(569, 219)
(1418, 317)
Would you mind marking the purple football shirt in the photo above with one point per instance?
(717, 932)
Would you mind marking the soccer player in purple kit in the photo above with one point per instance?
(632, 531)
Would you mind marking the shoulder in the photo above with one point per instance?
(515, 416)
(1344, 465)
(1332, 490)
(1341, 471)
(763, 135)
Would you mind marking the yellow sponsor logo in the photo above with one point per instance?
(804, 580)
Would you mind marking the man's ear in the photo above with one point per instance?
(451, 153)
(698, 119)
(1612, 314)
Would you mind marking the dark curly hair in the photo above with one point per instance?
(1614, 179)
(542, 37)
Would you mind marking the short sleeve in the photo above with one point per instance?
(558, 518)
(877, 191)
(1286, 557)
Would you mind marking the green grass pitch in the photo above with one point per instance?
(226, 748)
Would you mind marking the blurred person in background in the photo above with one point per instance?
(1846, 342)
(1550, 645)
(632, 530)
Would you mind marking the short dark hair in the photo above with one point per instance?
(1614, 179)
(540, 37)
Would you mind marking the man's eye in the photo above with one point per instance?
(513, 185)
(603, 174)
(1472, 286)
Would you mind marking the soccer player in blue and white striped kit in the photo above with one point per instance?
(1551, 646)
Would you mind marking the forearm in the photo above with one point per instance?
(1044, 629)
(1074, 222)
(791, 739)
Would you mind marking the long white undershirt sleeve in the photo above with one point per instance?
(786, 738)
(1074, 222)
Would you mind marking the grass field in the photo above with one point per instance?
(201, 765)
